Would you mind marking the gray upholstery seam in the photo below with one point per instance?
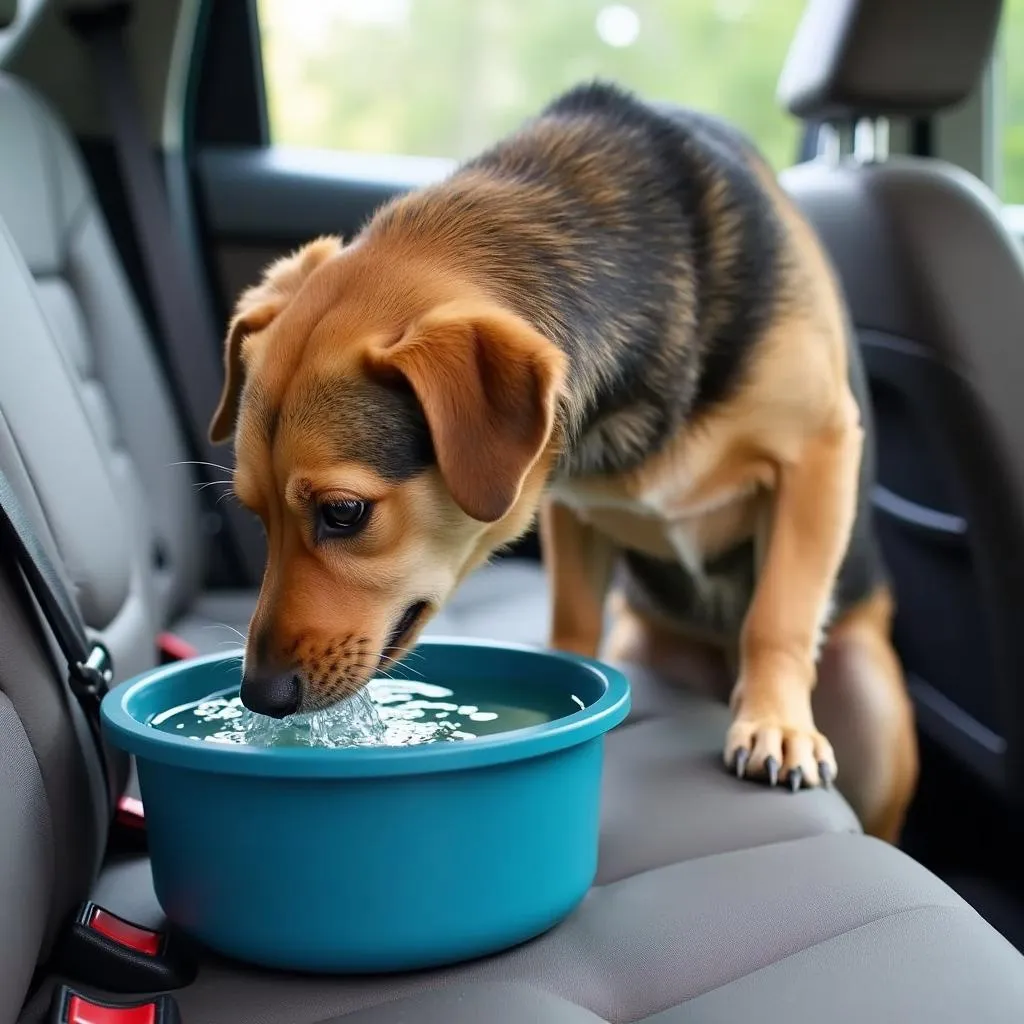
(88, 375)
(41, 119)
(72, 371)
(76, 220)
(49, 145)
(54, 540)
(905, 912)
(431, 989)
(939, 359)
(723, 853)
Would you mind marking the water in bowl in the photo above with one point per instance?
(387, 712)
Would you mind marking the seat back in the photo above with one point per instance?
(50, 209)
(935, 286)
(87, 509)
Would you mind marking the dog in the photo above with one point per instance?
(614, 318)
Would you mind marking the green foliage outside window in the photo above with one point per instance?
(1011, 102)
(446, 77)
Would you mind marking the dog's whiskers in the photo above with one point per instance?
(386, 664)
(231, 629)
(410, 654)
(197, 462)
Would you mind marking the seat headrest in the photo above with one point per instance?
(875, 58)
(8, 12)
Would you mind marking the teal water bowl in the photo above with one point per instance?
(370, 859)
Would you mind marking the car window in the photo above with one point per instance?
(1010, 103)
(443, 78)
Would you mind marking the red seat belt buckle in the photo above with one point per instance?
(105, 951)
(71, 1007)
(123, 932)
(131, 814)
(172, 648)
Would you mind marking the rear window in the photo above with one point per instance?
(444, 78)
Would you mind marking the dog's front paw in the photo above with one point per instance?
(771, 749)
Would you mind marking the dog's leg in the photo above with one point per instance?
(579, 563)
(862, 704)
(678, 660)
(773, 732)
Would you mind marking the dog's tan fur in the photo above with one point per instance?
(420, 303)
(422, 542)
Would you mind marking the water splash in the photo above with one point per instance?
(354, 722)
(387, 712)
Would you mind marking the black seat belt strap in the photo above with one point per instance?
(89, 665)
(189, 347)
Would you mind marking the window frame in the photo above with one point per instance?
(227, 107)
(227, 103)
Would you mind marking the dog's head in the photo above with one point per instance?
(391, 431)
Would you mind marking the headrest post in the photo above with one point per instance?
(871, 140)
(834, 142)
(830, 144)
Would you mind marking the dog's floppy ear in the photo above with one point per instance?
(488, 384)
(256, 308)
(253, 313)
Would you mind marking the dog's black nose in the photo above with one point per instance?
(275, 696)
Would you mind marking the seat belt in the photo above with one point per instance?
(189, 347)
(90, 668)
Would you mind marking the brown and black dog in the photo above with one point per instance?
(615, 313)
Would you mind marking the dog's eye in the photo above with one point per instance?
(343, 518)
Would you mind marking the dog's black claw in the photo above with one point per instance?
(740, 763)
(771, 766)
(826, 774)
(796, 779)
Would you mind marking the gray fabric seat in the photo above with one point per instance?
(714, 900)
(826, 927)
(507, 600)
(674, 925)
(935, 285)
(50, 210)
(676, 929)
(48, 204)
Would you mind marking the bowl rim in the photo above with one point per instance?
(125, 731)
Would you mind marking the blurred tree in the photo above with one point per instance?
(446, 77)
